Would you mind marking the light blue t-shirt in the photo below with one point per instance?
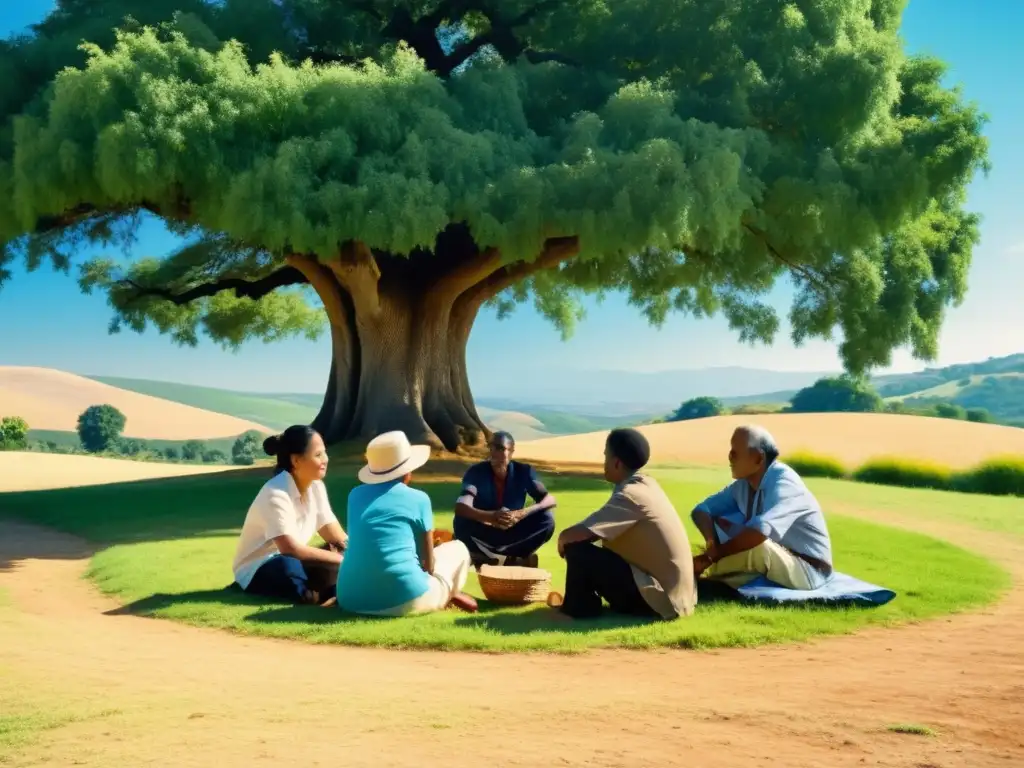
(783, 509)
(381, 568)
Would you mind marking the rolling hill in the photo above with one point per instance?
(275, 411)
(52, 400)
(851, 437)
(997, 385)
(280, 410)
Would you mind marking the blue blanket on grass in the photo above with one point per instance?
(841, 588)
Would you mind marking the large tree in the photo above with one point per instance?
(411, 161)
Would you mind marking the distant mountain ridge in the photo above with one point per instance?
(596, 400)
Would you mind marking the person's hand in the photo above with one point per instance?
(508, 517)
(701, 563)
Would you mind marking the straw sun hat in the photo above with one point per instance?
(389, 457)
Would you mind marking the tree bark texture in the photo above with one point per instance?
(399, 330)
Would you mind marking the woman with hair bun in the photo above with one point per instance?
(273, 558)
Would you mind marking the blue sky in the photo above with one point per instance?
(61, 328)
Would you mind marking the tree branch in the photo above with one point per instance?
(251, 289)
(469, 273)
(501, 35)
(66, 219)
(322, 280)
(556, 250)
(808, 274)
(359, 274)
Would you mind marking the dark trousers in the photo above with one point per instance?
(288, 578)
(522, 539)
(593, 573)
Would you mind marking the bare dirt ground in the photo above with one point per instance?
(153, 693)
(50, 399)
(853, 438)
(43, 471)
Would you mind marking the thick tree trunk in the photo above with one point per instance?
(398, 364)
(399, 339)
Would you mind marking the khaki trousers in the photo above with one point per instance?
(767, 559)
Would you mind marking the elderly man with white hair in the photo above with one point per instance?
(765, 523)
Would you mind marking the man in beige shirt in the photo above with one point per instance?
(644, 566)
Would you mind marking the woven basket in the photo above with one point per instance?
(513, 584)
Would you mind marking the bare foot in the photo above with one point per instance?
(329, 602)
(464, 602)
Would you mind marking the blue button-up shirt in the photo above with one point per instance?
(782, 509)
(479, 482)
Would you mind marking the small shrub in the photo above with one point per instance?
(905, 473)
(911, 729)
(814, 465)
(1000, 476)
(950, 411)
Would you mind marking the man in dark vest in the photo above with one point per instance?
(491, 515)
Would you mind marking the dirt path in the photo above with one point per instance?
(158, 694)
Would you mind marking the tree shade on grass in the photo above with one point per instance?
(173, 542)
(410, 163)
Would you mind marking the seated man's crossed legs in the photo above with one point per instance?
(516, 545)
(767, 559)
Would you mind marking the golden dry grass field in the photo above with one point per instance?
(853, 438)
(53, 400)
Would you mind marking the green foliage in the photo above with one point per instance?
(905, 472)
(841, 394)
(214, 456)
(950, 411)
(171, 453)
(815, 465)
(1000, 476)
(13, 433)
(192, 450)
(698, 408)
(699, 150)
(979, 416)
(246, 449)
(100, 427)
(131, 446)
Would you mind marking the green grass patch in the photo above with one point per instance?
(905, 472)
(815, 465)
(173, 540)
(22, 727)
(911, 729)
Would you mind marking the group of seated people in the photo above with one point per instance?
(632, 554)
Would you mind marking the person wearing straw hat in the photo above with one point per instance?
(391, 566)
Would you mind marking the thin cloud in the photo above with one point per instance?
(1016, 250)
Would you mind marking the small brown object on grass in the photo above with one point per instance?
(442, 536)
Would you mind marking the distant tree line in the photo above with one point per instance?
(101, 433)
(840, 394)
